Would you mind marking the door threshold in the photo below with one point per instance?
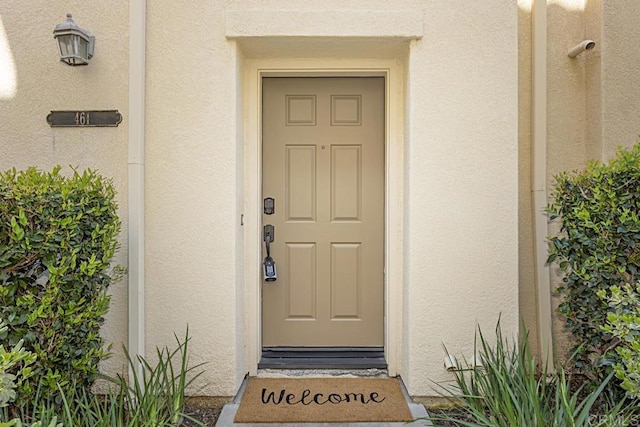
(322, 358)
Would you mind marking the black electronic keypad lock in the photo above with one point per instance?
(269, 206)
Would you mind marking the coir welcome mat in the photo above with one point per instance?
(317, 400)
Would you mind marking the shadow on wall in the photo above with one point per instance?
(572, 119)
(573, 131)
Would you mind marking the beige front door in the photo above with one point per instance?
(323, 164)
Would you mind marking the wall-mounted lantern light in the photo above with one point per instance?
(75, 44)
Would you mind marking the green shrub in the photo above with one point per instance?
(623, 323)
(598, 247)
(14, 369)
(57, 240)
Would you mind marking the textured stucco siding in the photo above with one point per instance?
(460, 145)
(462, 179)
(462, 161)
(620, 70)
(191, 188)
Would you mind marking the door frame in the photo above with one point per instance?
(392, 71)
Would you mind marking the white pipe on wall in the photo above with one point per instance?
(137, 45)
(581, 47)
(539, 190)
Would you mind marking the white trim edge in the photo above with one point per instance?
(406, 24)
(392, 70)
(137, 46)
(539, 190)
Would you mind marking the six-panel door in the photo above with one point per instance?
(323, 163)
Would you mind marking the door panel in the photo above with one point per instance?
(300, 184)
(323, 162)
(346, 183)
(300, 281)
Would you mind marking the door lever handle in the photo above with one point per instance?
(268, 235)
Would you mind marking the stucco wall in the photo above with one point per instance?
(34, 82)
(620, 70)
(593, 76)
(461, 159)
(462, 246)
(462, 179)
(192, 188)
(566, 120)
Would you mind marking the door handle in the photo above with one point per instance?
(269, 265)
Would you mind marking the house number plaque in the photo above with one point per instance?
(84, 118)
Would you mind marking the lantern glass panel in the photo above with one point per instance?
(82, 49)
(65, 44)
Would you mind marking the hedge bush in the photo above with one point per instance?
(14, 369)
(598, 248)
(623, 323)
(57, 240)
